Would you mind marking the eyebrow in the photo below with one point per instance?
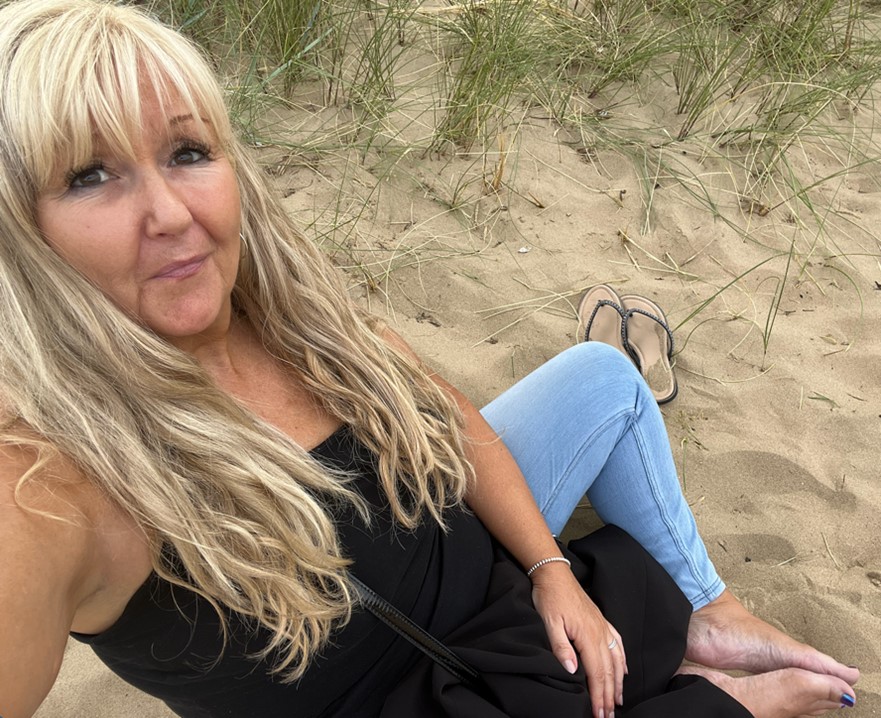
(181, 119)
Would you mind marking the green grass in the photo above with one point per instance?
(493, 50)
(747, 87)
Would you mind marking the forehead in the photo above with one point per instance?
(95, 75)
(159, 117)
(120, 99)
(153, 115)
(156, 130)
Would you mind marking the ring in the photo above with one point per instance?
(613, 644)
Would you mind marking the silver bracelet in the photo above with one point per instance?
(539, 564)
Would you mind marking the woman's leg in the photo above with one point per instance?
(586, 423)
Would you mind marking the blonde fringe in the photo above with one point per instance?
(245, 510)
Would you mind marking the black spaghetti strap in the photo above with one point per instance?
(420, 638)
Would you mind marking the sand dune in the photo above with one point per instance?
(778, 450)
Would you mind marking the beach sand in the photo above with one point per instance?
(778, 446)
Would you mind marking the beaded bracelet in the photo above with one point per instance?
(539, 564)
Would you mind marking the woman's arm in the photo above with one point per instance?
(44, 576)
(502, 500)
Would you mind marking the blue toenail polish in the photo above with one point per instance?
(847, 701)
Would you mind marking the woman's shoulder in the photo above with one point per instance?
(45, 575)
(58, 526)
(35, 474)
(26, 461)
(65, 533)
(45, 503)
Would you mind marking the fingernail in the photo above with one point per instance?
(847, 701)
(570, 666)
(620, 699)
(857, 667)
(602, 713)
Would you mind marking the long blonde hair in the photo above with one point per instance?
(243, 507)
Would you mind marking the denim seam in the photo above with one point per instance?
(706, 590)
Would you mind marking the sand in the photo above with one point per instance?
(778, 445)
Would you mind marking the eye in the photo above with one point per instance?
(190, 153)
(91, 176)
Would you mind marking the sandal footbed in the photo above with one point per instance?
(607, 322)
(649, 341)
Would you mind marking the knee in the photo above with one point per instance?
(601, 360)
(595, 366)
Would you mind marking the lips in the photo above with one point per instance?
(181, 270)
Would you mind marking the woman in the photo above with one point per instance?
(171, 348)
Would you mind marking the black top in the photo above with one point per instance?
(168, 642)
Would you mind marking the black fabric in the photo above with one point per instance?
(507, 643)
(455, 584)
(168, 641)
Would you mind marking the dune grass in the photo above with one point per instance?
(747, 86)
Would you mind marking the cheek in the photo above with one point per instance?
(55, 224)
(233, 203)
(91, 245)
(221, 212)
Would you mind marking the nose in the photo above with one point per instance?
(166, 213)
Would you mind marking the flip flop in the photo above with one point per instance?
(648, 338)
(601, 313)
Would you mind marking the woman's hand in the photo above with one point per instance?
(502, 500)
(574, 623)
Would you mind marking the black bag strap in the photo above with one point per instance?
(416, 635)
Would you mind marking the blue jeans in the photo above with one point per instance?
(586, 423)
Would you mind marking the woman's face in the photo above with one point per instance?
(158, 234)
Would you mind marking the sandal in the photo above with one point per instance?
(647, 337)
(637, 327)
(602, 315)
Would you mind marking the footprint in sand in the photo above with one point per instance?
(764, 548)
(781, 476)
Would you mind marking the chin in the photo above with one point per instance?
(198, 313)
(182, 326)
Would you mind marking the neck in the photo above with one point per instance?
(219, 348)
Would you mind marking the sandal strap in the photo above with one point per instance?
(593, 314)
(636, 310)
(618, 308)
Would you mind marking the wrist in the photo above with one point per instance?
(545, 563)
(553, 578)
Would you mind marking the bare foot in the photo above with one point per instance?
(723, 634)
(780, 694)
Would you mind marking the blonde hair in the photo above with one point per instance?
(243, 507)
